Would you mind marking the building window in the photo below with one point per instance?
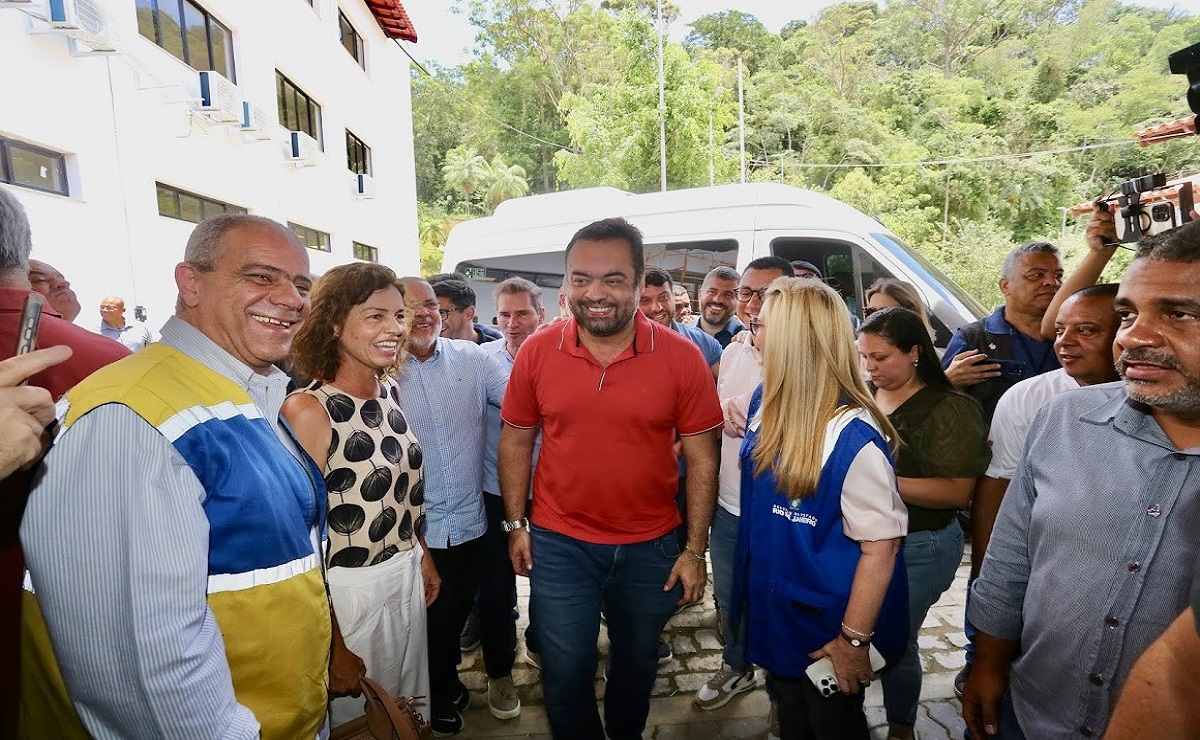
(180, 204)
(311, 238)
(351, 40)
(297, 111)
(365, 252)
(32, 167)
(358, 155)
(188, 33)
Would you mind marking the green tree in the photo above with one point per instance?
(465, 171)
(504, 181)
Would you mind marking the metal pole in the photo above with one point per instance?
(741, 120)
(662, 108)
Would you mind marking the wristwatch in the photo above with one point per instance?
(854, 641)
(510, 527)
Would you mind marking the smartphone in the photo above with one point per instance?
(1009, 369)
(31, 316)
(822, 676)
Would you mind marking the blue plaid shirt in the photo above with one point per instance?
(445, 399)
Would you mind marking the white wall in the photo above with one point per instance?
(124, 122)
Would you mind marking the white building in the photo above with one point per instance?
(117, 144)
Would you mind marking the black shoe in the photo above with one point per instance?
(446, 725)
(462, 702)
(664, 651)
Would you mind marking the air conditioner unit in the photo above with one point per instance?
(364, 186)
(302, 149)
(219, 99)
(254, 122)
(83, 20)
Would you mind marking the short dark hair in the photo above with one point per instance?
(614, 228)
(459, 293)
(1103, 290)
(658, 277)
(1176, 245)
(904, 330)
(772, 262)
(438, 277)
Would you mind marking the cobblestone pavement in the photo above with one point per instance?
(693, 639)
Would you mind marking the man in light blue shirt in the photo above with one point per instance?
(134, 335)
(446, 386)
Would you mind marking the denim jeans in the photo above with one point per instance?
(571, 581)
(722, 547)
(497, 595)
(932, 558)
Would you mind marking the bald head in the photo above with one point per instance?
(112, 311)
(48, 281)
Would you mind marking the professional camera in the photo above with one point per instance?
(1151, 204)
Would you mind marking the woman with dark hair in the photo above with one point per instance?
(817, 573)
(348, 419)
(943, 450)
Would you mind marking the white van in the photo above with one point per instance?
(689, 232)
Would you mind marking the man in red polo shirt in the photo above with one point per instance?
(610, 390)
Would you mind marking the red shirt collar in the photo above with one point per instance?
(645, 337)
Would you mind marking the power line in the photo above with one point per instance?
(479, 109)
(935, 162)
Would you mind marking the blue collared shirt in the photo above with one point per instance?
(445, 399)
(491, 474)
(1092, 556)
(709, 347)
(134, 334)
(725, 336)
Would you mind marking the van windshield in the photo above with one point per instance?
(932, 276)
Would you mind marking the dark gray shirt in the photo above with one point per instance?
(1092, 556)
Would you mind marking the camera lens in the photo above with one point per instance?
(1162, 212)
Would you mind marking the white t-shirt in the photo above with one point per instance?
(741, 372)
(1014, 414)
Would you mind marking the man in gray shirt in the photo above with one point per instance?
(1096, 542)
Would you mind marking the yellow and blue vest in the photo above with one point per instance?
(265, 584)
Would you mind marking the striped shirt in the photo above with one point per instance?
(141, 590)
(1092, 556)
(445, 399)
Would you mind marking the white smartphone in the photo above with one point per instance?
(822, 676)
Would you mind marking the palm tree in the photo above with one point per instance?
(504, 182)
(464, 171)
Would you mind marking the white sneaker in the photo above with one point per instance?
(723, 686)
(503, 701)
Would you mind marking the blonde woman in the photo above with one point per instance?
(818, 567)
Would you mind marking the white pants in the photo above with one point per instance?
(381, 612)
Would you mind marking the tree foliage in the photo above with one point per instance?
(918, 112)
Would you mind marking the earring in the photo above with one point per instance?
(916, 362)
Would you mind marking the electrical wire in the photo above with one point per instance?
(479, 109)
(937, 162)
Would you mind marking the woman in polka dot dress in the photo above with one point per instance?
(349, 420)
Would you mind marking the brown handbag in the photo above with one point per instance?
(386, 718)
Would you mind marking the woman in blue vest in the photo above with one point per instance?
(350, 422)
(818, 572)
(944, 449)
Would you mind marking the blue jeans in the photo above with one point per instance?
(932, 558)
(722, 546)
(571, 581)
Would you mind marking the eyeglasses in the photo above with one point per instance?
(745, 294)
(444, 312)
(756, 326)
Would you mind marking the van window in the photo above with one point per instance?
(836, 261)
(487, 271)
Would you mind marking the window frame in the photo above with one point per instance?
(284, 85)
(353, 142)
(8, 173)
(203, 201)
(301, 231)
(372, 251)
(360, 48)
(187, 58)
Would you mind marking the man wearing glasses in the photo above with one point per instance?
(445, 388)
(740, 374)
(456, 305)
